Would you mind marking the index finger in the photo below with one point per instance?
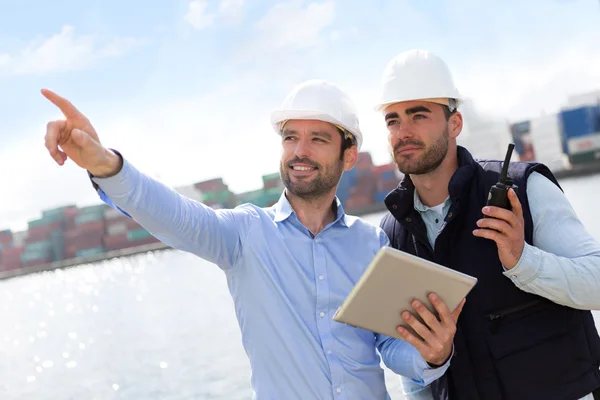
(63, 104)
(441, 308)
(515, 204)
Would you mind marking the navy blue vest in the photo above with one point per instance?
(509, 344)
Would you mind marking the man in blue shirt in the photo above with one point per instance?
(289, 267)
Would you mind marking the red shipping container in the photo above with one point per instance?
(129, 223)
(12, 252)
(211, 185)
(387, 185)
(35, 263)
(119, 242)
(355, 202)
(6, 239)
(39, 233)
(9, 266)
(379, 169)
(272, 183)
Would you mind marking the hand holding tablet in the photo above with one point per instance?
(397, 283)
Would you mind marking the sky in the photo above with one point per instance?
(184, 89)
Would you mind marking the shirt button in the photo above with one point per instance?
(321, 277)
(322, 314)
(339, 390)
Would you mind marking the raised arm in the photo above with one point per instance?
(176, 220)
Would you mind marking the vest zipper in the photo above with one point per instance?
(512, 310)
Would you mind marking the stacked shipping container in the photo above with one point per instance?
(68, 232)
(216, 194)
(581, 133)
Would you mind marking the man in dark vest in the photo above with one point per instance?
(525, 331)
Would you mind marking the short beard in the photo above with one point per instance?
(430, 160)
(325, 181)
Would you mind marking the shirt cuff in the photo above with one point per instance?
(431, 374)
(527, 269)
(118, 185)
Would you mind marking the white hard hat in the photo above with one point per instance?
(418, 75)
(320, 100)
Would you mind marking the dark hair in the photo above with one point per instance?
(347, 142)
(447, 111)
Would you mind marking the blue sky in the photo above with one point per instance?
(184, 88)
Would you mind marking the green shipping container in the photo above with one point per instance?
(89, 217)
(57, 243)
(58, 211)
(34, 255)
(43, 245)
(45, 220)
(96, 209)
(271, 177)
(219, 196)
(582, 158)
(89, 251)
(138, 234)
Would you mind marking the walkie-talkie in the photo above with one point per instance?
(498, 195)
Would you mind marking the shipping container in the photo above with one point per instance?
(380, 196)
(364, 161)
(116, 228)
(275, 176)
(221, 196)
(580, 121)
(521, 136)
(358, 201)
(585, 157)
(137, 234)
(583, 144)
(57, 243)
(90, 251)
(547, 141)
(211, 185)
(44, 221)
(112, 213)
(380, 169)
(84, 218)
(59, 211)
(36, 262)
(43, 232)
(94, 209)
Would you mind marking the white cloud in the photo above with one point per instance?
(197, 16)
(290, 25)
(231, 10)
(64, 51)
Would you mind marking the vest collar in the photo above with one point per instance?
(400, 202)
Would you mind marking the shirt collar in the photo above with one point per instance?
(283, 210)
(420, 207)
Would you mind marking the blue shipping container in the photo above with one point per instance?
(580, 121)
(388, 176)
(380, 196)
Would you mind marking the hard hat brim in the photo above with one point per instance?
(277, 117)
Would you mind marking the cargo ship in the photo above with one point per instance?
(568, 142)
(70, 235)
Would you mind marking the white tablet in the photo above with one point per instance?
(391, 282)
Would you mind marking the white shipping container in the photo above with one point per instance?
(116, 228)
(190, 192)
(584, 144)
(584, 99)
(111, 213)
(546, 138)
(486, 140)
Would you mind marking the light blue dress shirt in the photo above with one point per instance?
(286, 286)
(562, 265)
